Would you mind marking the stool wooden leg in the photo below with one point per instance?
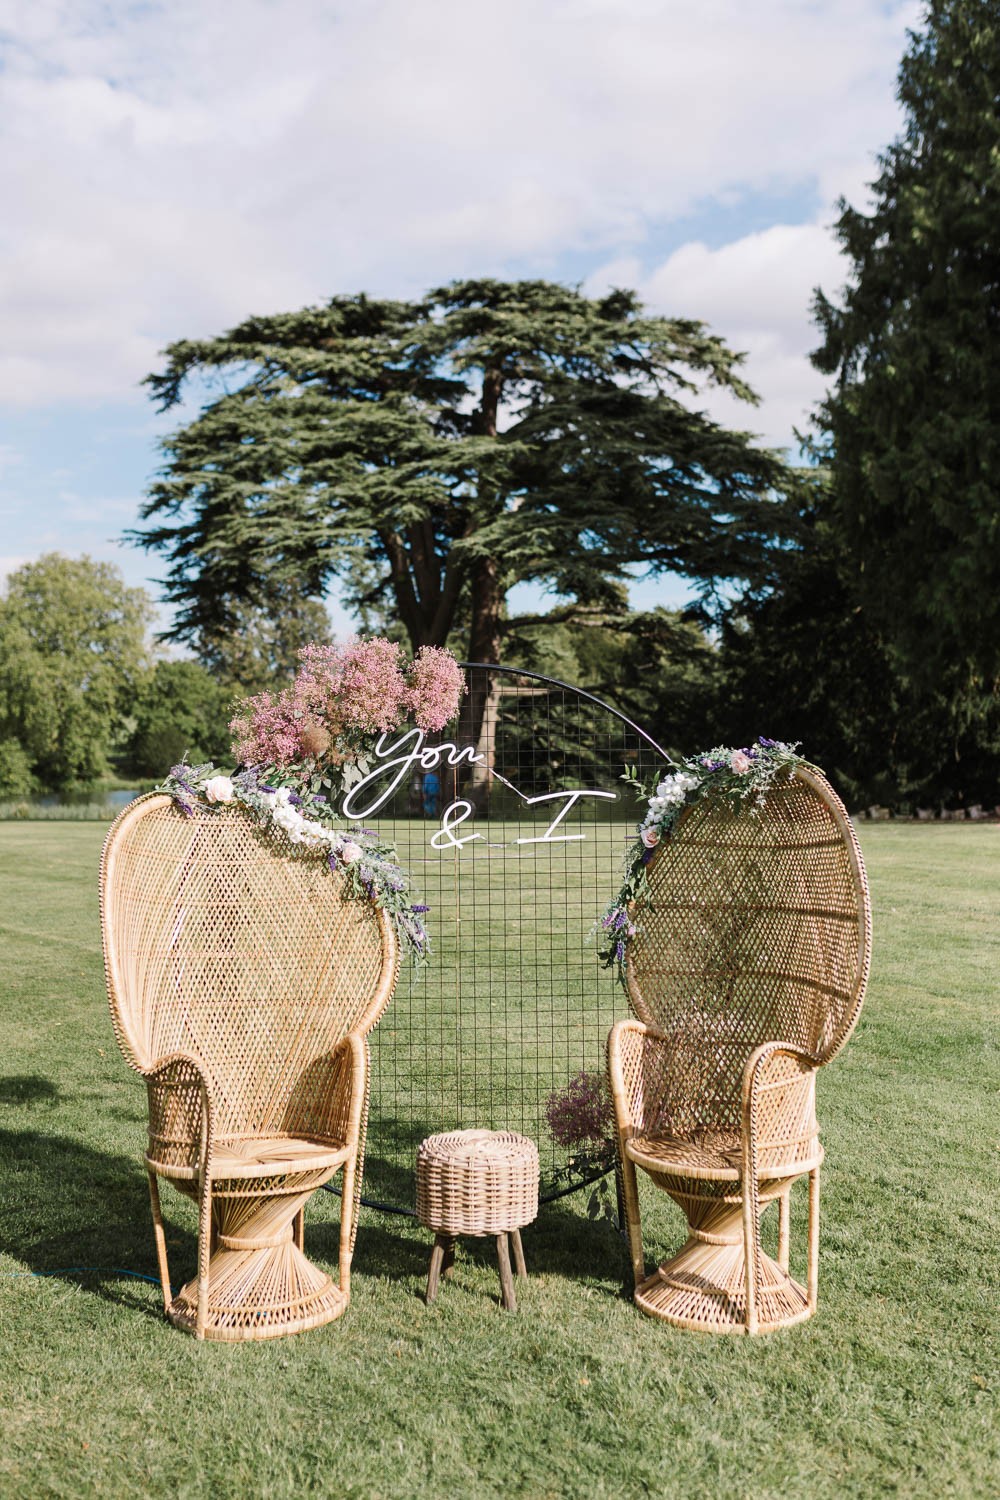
(506, 1279)
(515, 1236)
(448, 1265)
(437, 1256)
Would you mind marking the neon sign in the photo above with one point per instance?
(401, 757)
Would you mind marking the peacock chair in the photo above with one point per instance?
(747, 973)
(243, 980)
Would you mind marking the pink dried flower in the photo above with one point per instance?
(266, 730)
(739, 762)
(581, 1112)
(435, 689)
(371, 694)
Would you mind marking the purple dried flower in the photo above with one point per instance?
(767, 744)
(581, 1112)
(420, 907)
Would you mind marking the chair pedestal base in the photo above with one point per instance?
(703, 1287)
(260, 1284)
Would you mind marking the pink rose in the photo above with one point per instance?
(650, 837)
(739, 762)
(350, 851)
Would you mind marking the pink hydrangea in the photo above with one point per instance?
(435, 689)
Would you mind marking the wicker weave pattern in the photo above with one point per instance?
(242, 983)
(477, 1182)
(747, 974)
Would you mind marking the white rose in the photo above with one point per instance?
(219, 789)
(350, 851)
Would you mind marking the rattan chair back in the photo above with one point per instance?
(759, 927)
(229, 947)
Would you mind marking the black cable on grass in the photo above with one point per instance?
(86, 1270)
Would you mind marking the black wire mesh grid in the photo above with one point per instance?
(516, 855)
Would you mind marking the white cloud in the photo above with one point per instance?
(167, 169)
(9, 565)
(756, 292)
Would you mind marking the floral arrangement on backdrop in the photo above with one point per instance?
(299, 750)
(737, 777)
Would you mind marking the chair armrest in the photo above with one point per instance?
(637, 1060)
(181, 1113)
(779, 1108)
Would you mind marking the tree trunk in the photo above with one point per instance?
(480, 709)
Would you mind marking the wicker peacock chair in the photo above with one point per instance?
(243, 982)
(747, 973)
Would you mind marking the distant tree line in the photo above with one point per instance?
(84, 694)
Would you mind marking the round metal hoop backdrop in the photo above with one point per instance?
(516, 849)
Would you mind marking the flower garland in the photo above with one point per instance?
(737, 777)
(301, 748)
(307, 820)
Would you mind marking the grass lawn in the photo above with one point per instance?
(891, 1389)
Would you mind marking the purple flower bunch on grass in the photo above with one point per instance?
(579, 1115)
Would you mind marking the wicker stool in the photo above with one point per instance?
(477, 1182)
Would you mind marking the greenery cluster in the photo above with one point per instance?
(881, 647)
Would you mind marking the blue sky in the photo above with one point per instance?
(167, 169)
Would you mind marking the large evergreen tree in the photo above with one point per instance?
(432, 454)
(912, 425)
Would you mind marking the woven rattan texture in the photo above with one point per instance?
(757, 932)
(243, 979)
(239, 952)
(747, 973)
(477, 1182)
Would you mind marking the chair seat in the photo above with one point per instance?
(713, 1155)
(267, 1156)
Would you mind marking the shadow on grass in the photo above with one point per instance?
(83, 1216)
(28, 1088)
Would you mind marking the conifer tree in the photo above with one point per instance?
(912, 424)
(432, 454)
